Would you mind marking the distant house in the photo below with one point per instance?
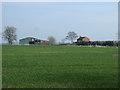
(32, 40)
(86, 39)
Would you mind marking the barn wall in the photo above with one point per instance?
(25, 41)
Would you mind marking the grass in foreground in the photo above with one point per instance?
(59, 67)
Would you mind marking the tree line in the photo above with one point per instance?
(10, 35)
(98, 43)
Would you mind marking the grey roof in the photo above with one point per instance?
(80, 38)
(29, 37)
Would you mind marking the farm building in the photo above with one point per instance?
(44, 42)
(32, 40)
(86, 39)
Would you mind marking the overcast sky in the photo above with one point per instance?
(96, 20)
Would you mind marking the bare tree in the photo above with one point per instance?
(71, 36)
(10, 34)
(52, 40)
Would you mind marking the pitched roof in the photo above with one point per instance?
(29, 37)
(80, 38)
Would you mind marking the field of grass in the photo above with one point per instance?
(59, 67)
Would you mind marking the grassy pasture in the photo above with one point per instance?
(59, 67)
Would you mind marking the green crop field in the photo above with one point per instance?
(33, 66)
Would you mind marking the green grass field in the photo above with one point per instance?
(59, 67)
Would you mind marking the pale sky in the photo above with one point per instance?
(96, 20)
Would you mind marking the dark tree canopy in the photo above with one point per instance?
(71, 36)
(10, 34)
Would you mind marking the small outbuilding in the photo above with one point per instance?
(86, 39)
